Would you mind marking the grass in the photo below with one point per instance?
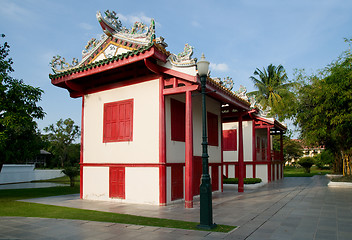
(299, 172)
(11, 207)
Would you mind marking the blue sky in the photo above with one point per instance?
(236, 36)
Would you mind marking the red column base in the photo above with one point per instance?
(188, 204)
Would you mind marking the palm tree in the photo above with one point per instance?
(272, 84)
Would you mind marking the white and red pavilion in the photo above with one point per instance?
(141, 120)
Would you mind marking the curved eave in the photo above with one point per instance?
(108, 64)
(225, 96)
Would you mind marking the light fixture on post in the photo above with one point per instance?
(206, 208)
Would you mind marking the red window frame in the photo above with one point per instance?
(118, 121)
(176, 182)
(213, 127)
(178, 119)
(229, 138)
(117, 182)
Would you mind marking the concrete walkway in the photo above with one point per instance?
(293, 208)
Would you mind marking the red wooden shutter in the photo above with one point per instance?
(213, 138)
(230, 140)
(178, 117)
(176, 182)
(197, 174)
(215, 178)
(117, 182)
(118, 121)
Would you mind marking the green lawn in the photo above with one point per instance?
(299, 172)
(11, 207)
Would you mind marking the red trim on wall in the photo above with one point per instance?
(162, 144)
(229, 140)
(215, 178)
(188, 152)
(81, 155)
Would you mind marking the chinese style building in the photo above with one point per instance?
(141, 117)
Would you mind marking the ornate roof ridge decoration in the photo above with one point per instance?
(102, 62)
(139, 33)
(183, 59)
(216, 82)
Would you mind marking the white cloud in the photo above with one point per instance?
(195, 24)
(12, 11)
(85, 26)
(131, 19)
(221, 67)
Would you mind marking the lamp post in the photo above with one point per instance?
(206, 208)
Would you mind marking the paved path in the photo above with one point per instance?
(293, 208)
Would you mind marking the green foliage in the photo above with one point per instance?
(306, 163)
(61, 137)
(11, 207)
(19, 137)
(71, 172)
(324, 160)
(274, 90)
(292, 148)
(245, 180)
(324, 111)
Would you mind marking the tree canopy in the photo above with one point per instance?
(324, 111)
(273, 90)
(19, 137)
(61, 137)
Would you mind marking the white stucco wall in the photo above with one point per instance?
(262, 172)
(145, 145)
(230, 156)
(143, 185)
(137, 189)
(176, 150)
(96, 183)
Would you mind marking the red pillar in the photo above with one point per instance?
(81, 151)
(254, 152)
(240, 156)
(189, 152)
(162, 145)
(282, 155)
(268, 154)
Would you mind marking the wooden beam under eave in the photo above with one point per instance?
(170, 91)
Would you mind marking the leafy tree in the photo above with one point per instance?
(292, 148)
(324, 111)
(19, 137)
(323, 159)
(273, 90)
(61, 137)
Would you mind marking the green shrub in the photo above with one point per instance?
(245, 180)
(324, 160)
(306, 163)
